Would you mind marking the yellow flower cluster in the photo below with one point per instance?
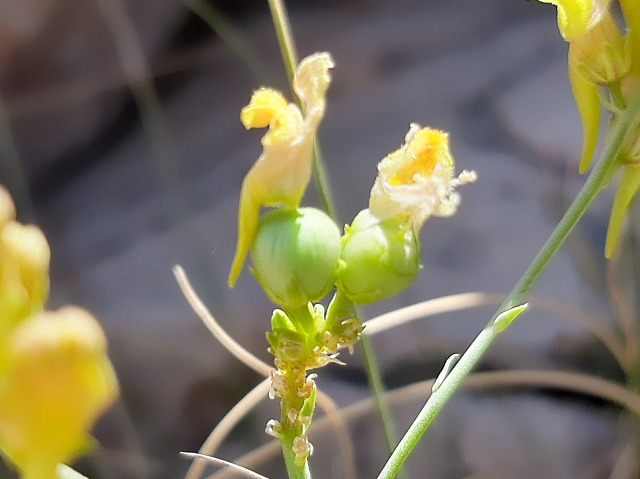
(55, 376)
(602, 59)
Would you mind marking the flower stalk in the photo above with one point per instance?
(626, 126)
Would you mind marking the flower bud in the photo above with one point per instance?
(379, 259)
(295, 255)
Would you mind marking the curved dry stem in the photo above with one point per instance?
(214, 327)
(459, 302)
(626, 463)
(445, 304)
(339, 425)
(592, 323)
(560, 380)
(221, 462)
(252, 398)
(226, 425)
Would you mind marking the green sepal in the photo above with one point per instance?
(308, 407)
(289, 346)
(587, 96)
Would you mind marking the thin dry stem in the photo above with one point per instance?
(560, 380)
(214, 327)
(626, 463)
(459, 302)
(624, 313)
(221, 462)
(226, 425)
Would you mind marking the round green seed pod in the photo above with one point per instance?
(295, 255)
(379, 259)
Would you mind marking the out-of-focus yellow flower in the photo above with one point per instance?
(631, 12)
(58, 382)
(417, 181)
(599, 56)
(283, 170)
(24, 268)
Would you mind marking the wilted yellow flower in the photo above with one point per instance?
(283, 170)
(417, 180)
(58, 382)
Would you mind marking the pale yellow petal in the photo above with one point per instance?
(311, 81)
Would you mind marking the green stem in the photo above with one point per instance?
(294, 469)
(378, 390)
(323, 184)
(597, 180)
(285, 37)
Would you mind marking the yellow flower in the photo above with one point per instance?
(24, 268)
(58, 382)
(599, 56)
(283, 170)
(417, 181)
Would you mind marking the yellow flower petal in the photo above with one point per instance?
(577, 17)
(629, 186)
(417, 180)
(283, 171)
(264, 103)
(59, 381)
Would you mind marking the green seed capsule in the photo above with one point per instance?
(379, 259)
(295, 255)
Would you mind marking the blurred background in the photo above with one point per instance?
(120, 136)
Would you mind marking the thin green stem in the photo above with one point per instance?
(285, 36)
(379, 394)
(624, 126)
(231, 35)
(323, 184)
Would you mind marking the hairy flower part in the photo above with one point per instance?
(283, 170)
(58, 381)
(576, 17)
(417, 181)
(302, 449)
